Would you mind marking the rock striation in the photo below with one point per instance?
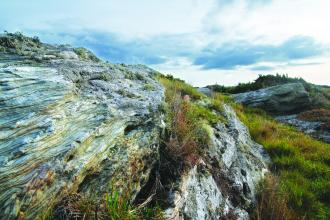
(68, 124)
(281, 99)
(71, 123)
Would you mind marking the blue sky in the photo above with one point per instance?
(201, 41)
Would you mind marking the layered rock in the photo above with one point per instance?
(71, 123)
(281, 99)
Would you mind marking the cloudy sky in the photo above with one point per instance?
(200, 41)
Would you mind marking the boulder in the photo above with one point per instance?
(281, 99)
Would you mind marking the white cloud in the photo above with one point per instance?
(179, 30)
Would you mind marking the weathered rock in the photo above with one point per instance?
(312, 128)
(224, 184)
(286, 98)
(68, 126)
(73, 124)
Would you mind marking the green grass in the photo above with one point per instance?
(301, 163)
(85, 54)
(189, 117)
(174, 86)
(118, 206)
(148, 87)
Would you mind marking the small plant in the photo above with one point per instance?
(125, 93)
(118, 205)
(148, 87)
(105, 76)
(73, 206)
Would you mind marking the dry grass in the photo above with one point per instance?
(187, 133)
(272, 202)
(322, 115)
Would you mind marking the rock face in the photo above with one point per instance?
(313, 128)
(71, 123)
(224, 185)
(282, 99)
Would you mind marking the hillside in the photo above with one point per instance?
(320, 95)
(291, 100)
(82, 138)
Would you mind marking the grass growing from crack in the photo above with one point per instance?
(189, 117)
(116, 205)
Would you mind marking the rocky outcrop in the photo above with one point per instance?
(281, 99)
(70, 123)
(223, 185)
(316, 129)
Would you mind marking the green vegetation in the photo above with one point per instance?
(148, 87)
(126, 93)
(19, 44)
(116, 205)
(263, 81)
(85, 54)
(189, 117)
(301, 163)
(320, 95)
(272, 201)
(177, 86)
(186, 126)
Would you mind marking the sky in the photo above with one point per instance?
(201, 41)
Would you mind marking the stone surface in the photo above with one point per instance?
(282, 99)
(206, 91)
(313, 128)
(224, 185)
(72, 123)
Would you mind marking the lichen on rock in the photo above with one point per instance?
(73, 124)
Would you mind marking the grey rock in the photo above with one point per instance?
(286, 98)
(225, 184)
(206, 91)
(68, 125)
(72, 124)
(312, 128)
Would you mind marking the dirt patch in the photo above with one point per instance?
(321, 115)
